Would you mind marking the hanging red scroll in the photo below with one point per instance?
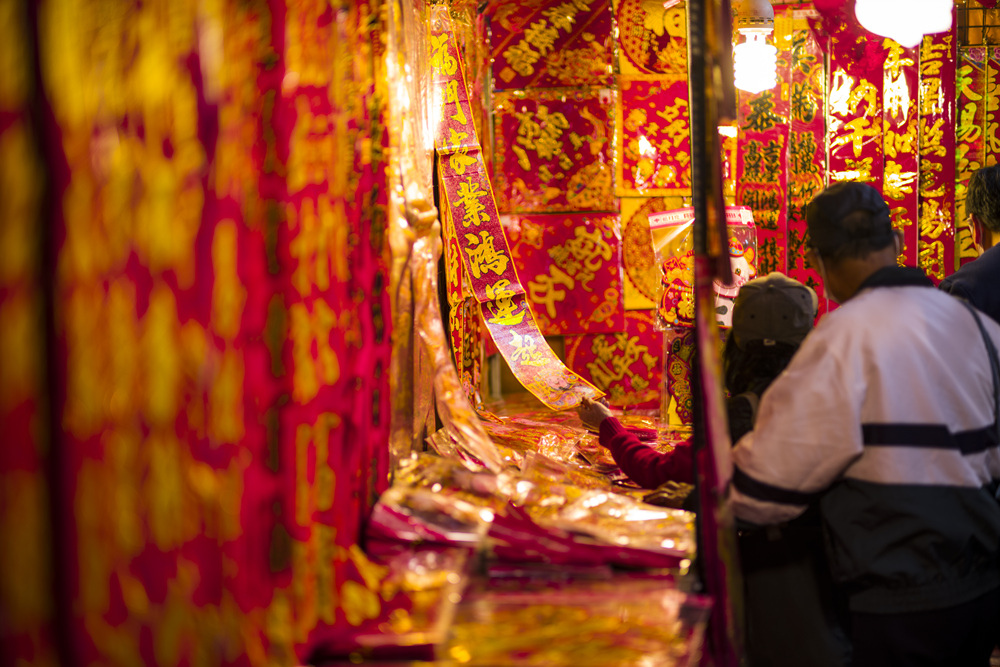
(899, 144)
(806, 140)
(484, 248)
(938, 155)
(970, 146)
(761, 163)
(763, 156)
(463, 315)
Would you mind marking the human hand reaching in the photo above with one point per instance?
(592, 412)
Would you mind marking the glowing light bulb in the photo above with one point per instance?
(905, 21)
(755, 66)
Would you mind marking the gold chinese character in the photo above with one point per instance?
(561, 16)
(459, 160)
(932, 141)
(860, 128)
(441, 59)
(900, 142)
(527, 350)
(505, 310)
(898, 183)
(968, 129)
(964, 83)
(934, 220)
(470, 195)
(451, 96)
(931, 99)
(932, 259)
(541, 35)
(483, 256)
(522, 58)
(545, 290)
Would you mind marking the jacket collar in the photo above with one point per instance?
(897, 276)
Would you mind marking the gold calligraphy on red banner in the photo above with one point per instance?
(480, 236)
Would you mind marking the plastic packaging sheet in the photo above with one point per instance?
(419, 589)
(616, 621)
(517, 436)
(552, 512)
(673, 244)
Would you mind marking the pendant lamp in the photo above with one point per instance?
(905, 21)
(755, 62)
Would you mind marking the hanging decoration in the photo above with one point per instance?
(900, 188)
(551, 45)
(806, 138)
(484, 248)
(572, 264)
(626, 364)
(939, 151)
(553, 150)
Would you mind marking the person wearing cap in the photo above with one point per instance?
(771, 316)
(885, 417)
(978, 282)
(794, 613)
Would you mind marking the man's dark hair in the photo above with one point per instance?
(983, 197)
(849, 219)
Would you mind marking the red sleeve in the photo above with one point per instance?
(644, 465)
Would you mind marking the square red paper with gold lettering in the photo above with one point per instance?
(626, 365)
(553, 151)
(570, 267)
(551, 44)
(655, 149)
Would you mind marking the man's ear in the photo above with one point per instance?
(981, 235)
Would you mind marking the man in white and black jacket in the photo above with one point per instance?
(885, 418)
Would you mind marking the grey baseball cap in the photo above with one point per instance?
(773, 309)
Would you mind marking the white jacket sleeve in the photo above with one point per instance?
(808, 431)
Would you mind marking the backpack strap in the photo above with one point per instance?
(991, 352)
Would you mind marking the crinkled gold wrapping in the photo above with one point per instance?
(424, 375)
(609, 622)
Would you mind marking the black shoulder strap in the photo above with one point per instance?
(991, 351)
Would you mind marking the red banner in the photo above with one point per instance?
(763, 156)
(572, 270)
(806, 143)
(899, 145)
(551, 44)
(938, 155)
(483, 245)
(553, 150)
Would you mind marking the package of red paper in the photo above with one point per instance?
(674, 248)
